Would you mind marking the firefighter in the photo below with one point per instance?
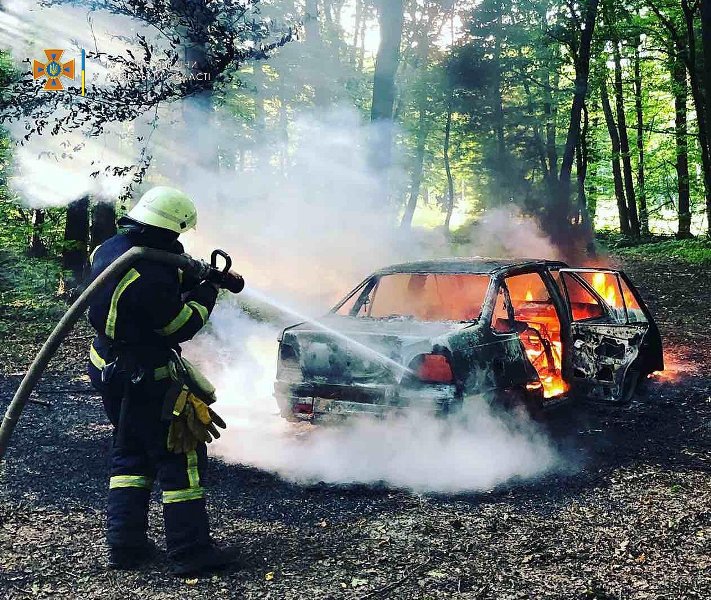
(140, 318)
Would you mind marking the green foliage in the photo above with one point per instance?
(5, 264)
(28, 279)
(25, 284)
(17, 228)
(28, 303)
(7, 75)
(29, 307)
(694, 251)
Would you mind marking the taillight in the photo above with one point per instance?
(305, 406)
(435, 368)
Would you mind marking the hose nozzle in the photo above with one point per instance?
(224, 278)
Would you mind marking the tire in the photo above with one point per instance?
(519, 401)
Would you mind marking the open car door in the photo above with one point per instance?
(614, 341)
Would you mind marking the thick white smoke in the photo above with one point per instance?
(306, 237)
(478, 450)
(53, 170)
(309, 232)
(305, 221)
(507, 232)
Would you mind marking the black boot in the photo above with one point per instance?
(129, 558)
(203, 560)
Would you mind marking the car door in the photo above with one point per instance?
(613, 339)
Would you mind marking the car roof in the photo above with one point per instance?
(474, 265)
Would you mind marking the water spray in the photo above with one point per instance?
(358, 346)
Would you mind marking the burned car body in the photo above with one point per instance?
(432, 333)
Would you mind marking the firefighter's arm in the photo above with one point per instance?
(188, 281)
(178, 320)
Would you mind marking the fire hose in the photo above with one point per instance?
(199, 268)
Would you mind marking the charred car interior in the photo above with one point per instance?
(432, 333)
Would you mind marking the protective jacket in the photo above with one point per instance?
(141, 316)
(142, 309)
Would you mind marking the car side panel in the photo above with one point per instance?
(651, 355)
(484, 361)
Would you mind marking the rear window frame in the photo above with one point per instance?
(365, 287)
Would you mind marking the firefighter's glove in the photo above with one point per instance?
(193, 422)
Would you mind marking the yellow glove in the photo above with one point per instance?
(193, 422)
(180, 440)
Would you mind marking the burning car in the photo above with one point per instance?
(432, 333)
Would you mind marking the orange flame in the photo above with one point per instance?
(550, 375)
(607, 291)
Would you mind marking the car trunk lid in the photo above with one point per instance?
(355, 350)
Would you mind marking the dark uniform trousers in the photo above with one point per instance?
(143, 457)
(143, 315)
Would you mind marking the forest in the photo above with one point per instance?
(590, 116)
(321, 141)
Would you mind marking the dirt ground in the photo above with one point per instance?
(632, 520)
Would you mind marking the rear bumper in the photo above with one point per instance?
(321, 402)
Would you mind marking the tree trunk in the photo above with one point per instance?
(593, 164)
(361, 45)
(502, 164)
(550, 109)
(450, 180)
(706, 38)
(390, 18)
(103, 224)
(616, 171)
(36, 247)
(581, 167)
(642, 194)
(625, 143)
(561, 212)
(699, 104)
(416, 179)
(356, 30)
(259, 109)
(536, 131)
(259, 147)
(680, 91)
(314, 48)
(550, 87)
(284, 138)
(75, 245)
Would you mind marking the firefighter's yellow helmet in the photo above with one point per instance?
(167, 208)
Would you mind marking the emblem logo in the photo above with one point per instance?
(54, 69)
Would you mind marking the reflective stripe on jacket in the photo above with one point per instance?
(144, 307)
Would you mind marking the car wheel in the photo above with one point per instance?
(518, 401)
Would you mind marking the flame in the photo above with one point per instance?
(630, 301)
(529, 295)
(676, 366)
(550, 375)
(553, 386)
(608, 292)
